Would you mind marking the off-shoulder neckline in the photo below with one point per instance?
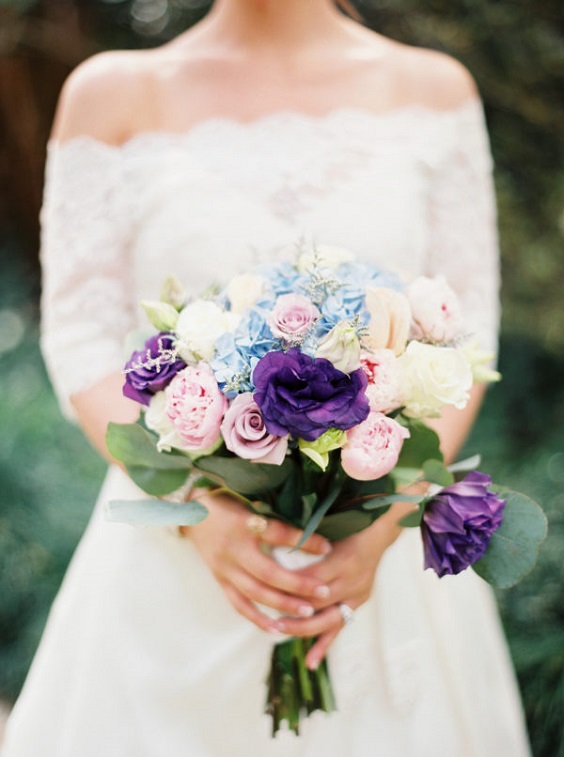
(277, 118)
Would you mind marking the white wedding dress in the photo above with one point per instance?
(142, 655)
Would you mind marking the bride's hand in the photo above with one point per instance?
(246, 574)
(349, 571)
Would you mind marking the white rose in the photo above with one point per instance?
(432, 377)
(325, 257)
(198, 327)
(244, 291)
(435, 309)
(158, 421)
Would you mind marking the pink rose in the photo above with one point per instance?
(292, 317)
(384, 386)
(435, 310)
(195, 406)
(373, 447)
(244, 433)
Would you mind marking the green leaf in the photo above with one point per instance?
(435, 473)
(135, 446)
(464, 466)
(389, 499)
(412, 520)
(155, 512)
(423, 444)
(514, 547)
(309, 501)
(346, 523)
(244, 476)
(317, 516)
(157, 482)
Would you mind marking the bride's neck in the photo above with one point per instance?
(284, 24)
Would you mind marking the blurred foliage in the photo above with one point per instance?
(49, 476)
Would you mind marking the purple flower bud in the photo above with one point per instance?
(458, 524)
(151, 369)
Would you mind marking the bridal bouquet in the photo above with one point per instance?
(300, 388)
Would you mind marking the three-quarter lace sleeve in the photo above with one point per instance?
(463, 225)
(86, 297)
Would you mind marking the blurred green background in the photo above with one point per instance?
(49, 476)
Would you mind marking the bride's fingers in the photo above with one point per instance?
(248, 610)
(322, 622)
(256, 591)
(320, 648)
(266, 570)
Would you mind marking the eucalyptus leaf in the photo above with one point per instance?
(422, 444)
(244, 476)
(346, 523)
(466, 465)
(135, 446)
(390, 499)
(157, 482)
(435, 473)
(412, 520)
(514, 547)
(155, 512)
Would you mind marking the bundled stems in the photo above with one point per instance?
(293, 689)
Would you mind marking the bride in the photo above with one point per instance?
(270, 122)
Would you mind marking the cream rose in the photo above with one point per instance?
(432, 377)
(198, 327)
(390, 318)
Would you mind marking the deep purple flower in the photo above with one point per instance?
(149, 370)
(458, 524)
(305, 396)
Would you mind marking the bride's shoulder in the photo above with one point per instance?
(421, 75)
(100, 97)
(434, 78)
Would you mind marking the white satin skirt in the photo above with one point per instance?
(143, 656)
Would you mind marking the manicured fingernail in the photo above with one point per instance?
(312, 664)
(306, 611)
(322, 592)
(326, 548)
(280, 626)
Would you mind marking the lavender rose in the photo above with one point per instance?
(151, 369)
(292, 317)
(244, 433)
(305, 396)
(458, 524)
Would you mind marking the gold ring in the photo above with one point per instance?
(257, 524)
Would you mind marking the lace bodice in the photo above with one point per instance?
(410, 189)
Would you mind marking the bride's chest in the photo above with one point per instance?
(208, 205)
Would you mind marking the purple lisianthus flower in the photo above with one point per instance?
(151, 369)
(305, 396)
(458, 524)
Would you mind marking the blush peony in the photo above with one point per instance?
(373, 447)
(195, 406)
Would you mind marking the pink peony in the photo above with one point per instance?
(384, 386)
(373, 447)
(244, 433)
(435, 310)
(292, 317)
(195, 406)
